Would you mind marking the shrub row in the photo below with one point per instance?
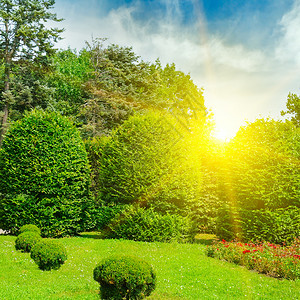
(47, 254)
(120, 277)
(276, 226)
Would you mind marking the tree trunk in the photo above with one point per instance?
(5, 110)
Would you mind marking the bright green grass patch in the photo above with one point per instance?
(183, 272)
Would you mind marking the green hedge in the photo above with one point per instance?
(276, 226)
(141, 224)
(44, 159)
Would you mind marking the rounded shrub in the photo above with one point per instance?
(44, 159)
(26, 240)
(125, 277)
(141, 153)
(49, 254)
(31, 228)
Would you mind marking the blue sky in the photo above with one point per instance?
(245, 54)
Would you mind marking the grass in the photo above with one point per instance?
(183, 272)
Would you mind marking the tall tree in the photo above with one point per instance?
(24, 37)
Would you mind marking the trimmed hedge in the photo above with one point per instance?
(44, 174)
(49, 254)
(147, 225)
(125, 277)
(26, 240)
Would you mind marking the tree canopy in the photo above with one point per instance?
(24, 38)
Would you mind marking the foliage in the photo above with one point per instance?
(140, 224)
(125, 277)
(123, 84)
(293, 108)
(228, 223)
(261, 166)
(280, 226)
(104, 214)
(26, 240)
(31, 228)
(141, 153)
(29, 89)
(49, 254)
(43, 157)
(70, 75)
(267, 258)
(24, 38)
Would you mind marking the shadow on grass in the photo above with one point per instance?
(92, 235)
(205, 239)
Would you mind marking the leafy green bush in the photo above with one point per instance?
(140, 224)
(26, 240)
(31, 228)
(262, 166)
(104, 214)
(49, 254)
(44, 159)
(125, 277)
(275, 226)
(141, 153)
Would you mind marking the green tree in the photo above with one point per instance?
(124, 84)
(24, 37)
(293, 108)
(69, 79)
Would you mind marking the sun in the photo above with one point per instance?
(222, 135)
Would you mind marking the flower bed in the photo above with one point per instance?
(273, 260)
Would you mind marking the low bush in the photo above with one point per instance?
(271, 259)
(31, 228)
(49, 254)
(26, 240)
(125, 277)
(141, 224)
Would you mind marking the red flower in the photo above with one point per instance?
(246, 251)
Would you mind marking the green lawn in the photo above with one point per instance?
(183, 272)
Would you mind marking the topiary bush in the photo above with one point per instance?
(30, 228)
(49, 254)
(26, 240)
(125, 277)
(147, 225)
(44, 159)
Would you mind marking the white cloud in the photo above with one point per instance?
(289, 45)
